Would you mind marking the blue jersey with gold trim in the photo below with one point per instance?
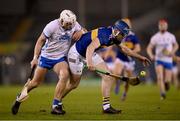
(130, 41)
(104, 34)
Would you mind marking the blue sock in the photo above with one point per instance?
(124, 94)
(116, 90)
(56, 102)
(163, 94)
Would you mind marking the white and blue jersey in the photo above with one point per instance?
(57, 43)
(163, 43)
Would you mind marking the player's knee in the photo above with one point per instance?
(159, 78)
(105, 77)
(35, 83)
(64, 75)
(74, 86)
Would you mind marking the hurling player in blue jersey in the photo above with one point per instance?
(83, 51)
(126, 64)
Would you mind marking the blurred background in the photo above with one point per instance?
(22, 21)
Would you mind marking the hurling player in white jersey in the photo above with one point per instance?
(50, 53)
(165, 46)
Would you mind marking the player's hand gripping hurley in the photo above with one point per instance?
(131, 80)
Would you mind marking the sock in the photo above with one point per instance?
(167, 86)
(124, 94)
(56, 103)
(163, 94)
(116, 90)
(106, 103)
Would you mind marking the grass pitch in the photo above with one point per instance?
(84, 103)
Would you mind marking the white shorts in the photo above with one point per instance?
(128, 65)
(76, 61)
(111, 65)
(175, 70)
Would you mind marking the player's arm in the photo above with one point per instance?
(150, 51)
(175, 48)
(137, 48)
(89, 52)
(176, 58)
(131, 53)
(79, 32)
(77, 35)
(40, 42)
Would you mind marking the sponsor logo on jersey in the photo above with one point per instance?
(64, 37)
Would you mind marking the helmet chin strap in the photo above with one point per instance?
(114, 34)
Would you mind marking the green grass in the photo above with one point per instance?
(143, 102)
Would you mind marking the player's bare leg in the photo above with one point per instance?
(38, 77)
(175, 79)
(31, 84)
(168, 78)
(129, 73)
(106, 85)
(126, 88)
(62, 71)
(160, 81)
(72, 84)
(118, 68)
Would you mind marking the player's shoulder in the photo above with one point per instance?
(131, 35)
(53, 23)
(105, 29)
(156, 35)
(77, 23)
(77, 26)
(51, 27)
(170, 34)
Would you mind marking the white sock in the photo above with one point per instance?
(106, 106)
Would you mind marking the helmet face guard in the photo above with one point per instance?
(118, 34)
(66, 25)
(67, 19)
(122, 27)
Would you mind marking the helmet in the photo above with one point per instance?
(128, 21)
(67, 16)
(122, 26)
(162, 25)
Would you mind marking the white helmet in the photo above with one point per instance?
(67, 16)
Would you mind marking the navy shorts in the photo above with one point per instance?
(49, 63)
(166, 65)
